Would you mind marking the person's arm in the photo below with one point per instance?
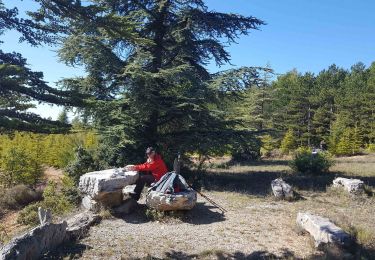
(148, 166)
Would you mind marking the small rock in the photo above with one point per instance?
(323, 231)
(45, 216)
(281, 189)
(353, 186)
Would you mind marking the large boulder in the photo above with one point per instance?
(168, 202)
(35, 243)
(353, 186)
(89, 204)
(79, 225)
(323, 231)
(98, 184)
(281, 189)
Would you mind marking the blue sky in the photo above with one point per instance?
(303, 34)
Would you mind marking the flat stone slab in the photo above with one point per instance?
(35, 243)
(281, 189)
(323, 230)
(170, 202)
(95, 183)
(353, 186)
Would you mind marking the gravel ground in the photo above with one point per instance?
(254, 229)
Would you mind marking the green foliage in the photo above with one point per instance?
(83, 162)
(19, 167)
(20, 86)
(23, 154)
(349, 143)
(269, 144)
(70, 190)
(146, 74)
(54, 200)
(29, 215)
(289, 142)
(308, 163)
(370, 148)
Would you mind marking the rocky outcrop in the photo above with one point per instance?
(44, 215)
(47, 236)
(79, 225)
(35, 243)
(281, 189)
(323, 231)
(353, 186)
(168, 202)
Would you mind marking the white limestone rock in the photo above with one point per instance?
(89, 204)
(35, 243)
(127, 190)
(44, 215)
(323, 231)
(353, 186)
(281, 189)
(168, 202)
(79, 225)
(96, 183)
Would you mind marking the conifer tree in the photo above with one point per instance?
(19, 85)
(145, 62)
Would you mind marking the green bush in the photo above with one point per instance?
(370, 148)
(29, 215)
(57, 202)
(306, 162)
(17, 166)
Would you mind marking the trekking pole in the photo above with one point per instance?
(211, 201)
(176, 167)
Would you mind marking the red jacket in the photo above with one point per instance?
(157, 167)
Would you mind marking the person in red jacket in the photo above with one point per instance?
(154, 164)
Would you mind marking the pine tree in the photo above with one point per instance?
(145, 62)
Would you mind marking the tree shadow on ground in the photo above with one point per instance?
(69, 251)
(201, 214)
(258, 183)
(285, 253)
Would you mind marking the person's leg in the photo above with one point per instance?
(143, 179)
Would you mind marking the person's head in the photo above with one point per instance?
(150, 152)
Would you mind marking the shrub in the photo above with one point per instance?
(53, 200)
(289, 142)
(18, 167)
(29, 215)
(70, 190)
(306, 162)
(370, 148)
(18, 196)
